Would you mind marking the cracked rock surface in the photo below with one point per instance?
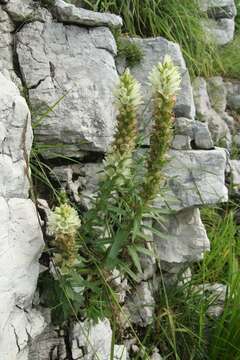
(73, 67)
(20, 233)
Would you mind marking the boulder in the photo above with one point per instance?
(70, 14)
(217, 93)
(235, 173)
(219, 31)
(21, 10)
(184, 238)
(15, 139)
(181, 142)
(196, 131)
(21, 239)
(94, 339)
(140, 305)
(218, 127)
(194, 178)
(70, 75)
(219, 9)
(201, 98)
(6, 41)
(50, 344)
(154, 50)
(79, 180)
(233, 95)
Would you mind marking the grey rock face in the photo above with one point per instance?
(80, 181)
(95, 340)
(15, 140)
(201, 98)
(196, 131)
(195, 177)
(141, 305)
(233, 95)
(21, 10)
(68, 13)
(218, 9)
(184, 237)
(73, 67)
(217, 93)
(181, 142)
(20, 233)
(217, 293)
(49, 344)
(216, 124)
(6, 41)
(235, 172)
(220, 31)
(154, 50)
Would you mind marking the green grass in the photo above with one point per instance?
(222, 232)
(230, 55)
(178, 21)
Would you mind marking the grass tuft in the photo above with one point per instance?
(178, 21)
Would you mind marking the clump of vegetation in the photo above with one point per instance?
(111, 235)
(129, 50)
(64, 223)
(178, 21)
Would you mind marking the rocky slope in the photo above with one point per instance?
(66, 61)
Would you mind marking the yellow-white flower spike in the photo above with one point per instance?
(64, 220)
(165, 78)
(128, 91)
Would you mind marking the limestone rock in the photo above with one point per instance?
(154, 50)
(15, 139)
(220, 31)
(80, 181)
(201, 98)
(219, 8)
(73, 67)
(120, 352)
(233, 95)
(70, 14)
(94, 339)
(217, 293)
(181, 142)
(50, 344)
(20, 10)
(217, 93)
(184, 237)
(6, 41)
(140, 305)
(194, 178)
(196, 131)
(236, 139)
(20, 233)
(235, 172)
(219, 130)
(156, 355)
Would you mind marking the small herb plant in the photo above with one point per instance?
(110, 236)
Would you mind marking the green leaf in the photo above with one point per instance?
(120, 240)
(135, 258)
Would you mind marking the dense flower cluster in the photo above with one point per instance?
(64, 220)
(165, 81)
(63, 223)
(165, 78)
(128, 99)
